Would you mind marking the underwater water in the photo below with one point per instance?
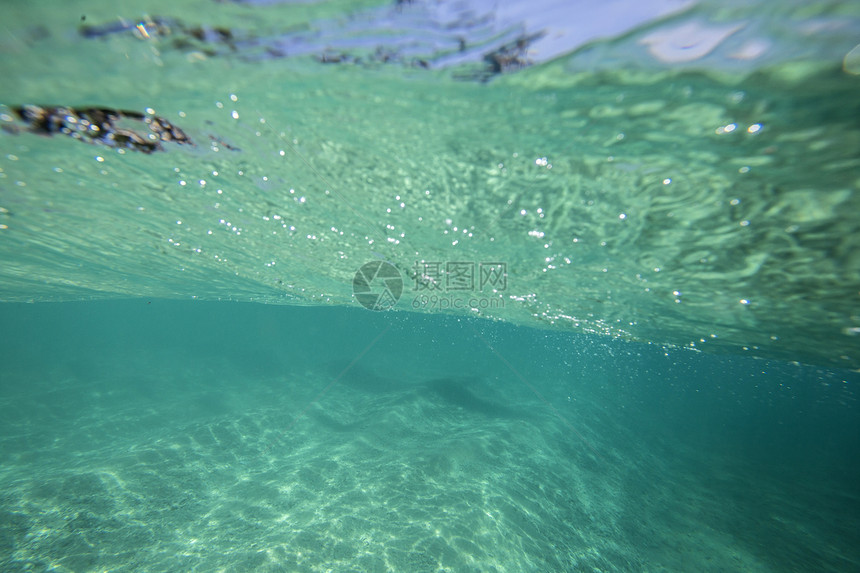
(611, 251)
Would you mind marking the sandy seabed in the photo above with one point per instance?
(369, 473)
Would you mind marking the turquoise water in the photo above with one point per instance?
(176, 436)
(624, 281)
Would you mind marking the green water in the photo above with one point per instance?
(605, 194)
(172, 436)
(664, 381)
